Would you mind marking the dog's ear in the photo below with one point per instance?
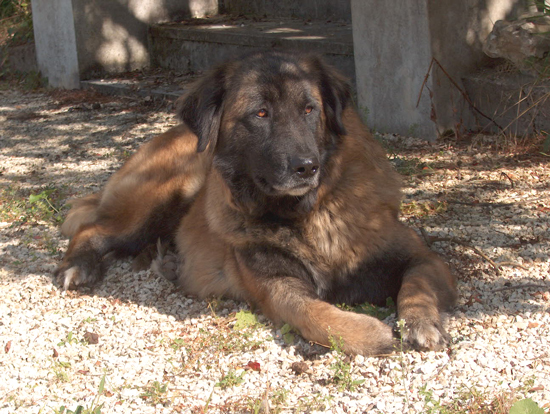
(201, 108)
(335, 91)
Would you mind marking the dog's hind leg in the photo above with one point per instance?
(83, 211)
(166, 262)
(123, 229)
(83, 261)
(143, 201)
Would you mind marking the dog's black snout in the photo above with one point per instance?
(305, 167)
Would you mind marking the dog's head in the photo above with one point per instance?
(273, 119)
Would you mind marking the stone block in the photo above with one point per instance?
(524, 42)
(400, 87)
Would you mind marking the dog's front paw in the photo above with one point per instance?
(425, 333)
(73, 274)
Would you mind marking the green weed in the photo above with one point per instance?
(18, 206)
(59, 369)
(410, 166)
(472, 400)
(231, 379)
(269, 402)
(177, 344)
(245, 319)
(288, 334)
(93, 408)
(45, 204)
(423, 208)
(526, 406)
(314, 403)
(156, 393)
(70, 339)
(341, 368)
(89, 319)
(378, 312)
(223, 340)
(16, 21)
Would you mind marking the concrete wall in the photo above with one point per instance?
(394, 43)
(308, 9)
(77, 39)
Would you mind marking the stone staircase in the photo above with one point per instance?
(194, 46)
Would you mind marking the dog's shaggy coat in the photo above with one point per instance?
(272, 191)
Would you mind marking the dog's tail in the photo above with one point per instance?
(83, 211)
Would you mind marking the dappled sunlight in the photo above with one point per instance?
(218, 27)
(7, 109)
(305, 37)
(120, 47)
(284, 30)
(484, 210)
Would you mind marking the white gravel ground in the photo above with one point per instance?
(160, 351)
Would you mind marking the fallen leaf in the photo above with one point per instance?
(299, 367)
(55, 353)
(91, 338)
(7, 347)
(473, 298)
(254, 366)
(537, 388)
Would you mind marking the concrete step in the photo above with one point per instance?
(155, 84)
(195, 46)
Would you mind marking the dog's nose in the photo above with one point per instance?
(305, 167)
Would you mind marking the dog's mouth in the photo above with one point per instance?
(288, 188)
(297, 191)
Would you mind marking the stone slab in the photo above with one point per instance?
(197, 47)
(125, 87)
(312, 9)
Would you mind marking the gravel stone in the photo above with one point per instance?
(161, 351)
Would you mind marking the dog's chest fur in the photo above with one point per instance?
(331, 241)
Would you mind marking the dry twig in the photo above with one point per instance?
(457, 86)
(507, 176)
(524, 286)
(466, 203)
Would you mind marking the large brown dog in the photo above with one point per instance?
(274, 192)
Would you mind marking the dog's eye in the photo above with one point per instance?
(262, 113)
(308, 109)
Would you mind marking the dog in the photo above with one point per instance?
(272, 191)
